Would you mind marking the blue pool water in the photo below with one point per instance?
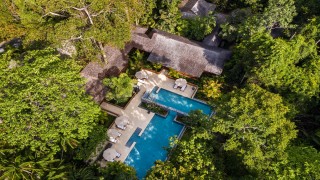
(150, 146)
(178, 102)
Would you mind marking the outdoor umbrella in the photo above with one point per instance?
(121, 121)
(109, 154)
(181, 82)
(141, 75)
(113, 133)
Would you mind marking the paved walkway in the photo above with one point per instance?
(138, 117)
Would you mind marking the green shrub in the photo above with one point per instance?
(88, 146)
(138, 60)
(119, 88)
(154, 108)
(173, 73)
(198, 27)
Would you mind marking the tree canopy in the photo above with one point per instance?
(193, 158)
(42, 101)
(303, 162)
(286, 66)
(120, 88)
(271, 85)
(87, 25)
(255, 125)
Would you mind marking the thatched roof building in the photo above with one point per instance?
(179, 53)
(189, 57)
(94, 72)
(213, 38)
(191, 8)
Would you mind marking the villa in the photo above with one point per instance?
(188, 57)
(140, 140)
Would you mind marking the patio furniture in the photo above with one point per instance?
(141, 75)
(121, 122)
(121, 127)
(181, 82)
(175, 86)
(141, 81)
(109, 154)
(113, 133)
(113, 140)
(183, 88)
(118, 155)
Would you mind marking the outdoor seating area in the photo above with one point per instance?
(182, 83)
(132, 116)
(141, 75)
(110, 154)
(122, 122)
(113, 134)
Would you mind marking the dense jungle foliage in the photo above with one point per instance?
(266, 102)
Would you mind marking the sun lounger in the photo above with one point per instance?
(121, 127)
(111, 139)
(184, 88)
(175, 86)
(118, 155)
(141, 81)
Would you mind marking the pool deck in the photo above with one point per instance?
(137, 116)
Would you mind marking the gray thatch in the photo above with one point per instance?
(140, 40)
(213, 39)
(196, 7)
(116, 61)
(96, 89)
(186, 56)
(93, 71)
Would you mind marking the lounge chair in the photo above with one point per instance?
(118, 155)
(175, 86)
(184, 88)
(111, 139)
(141, 81)
(121, 127)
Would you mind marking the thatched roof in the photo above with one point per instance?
(96, 89)
(93, 71)
(117, 61)
(196, 7)
(213, 39)
(186, 56)
(140, 40)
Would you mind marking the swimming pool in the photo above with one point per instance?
(150, 146)
(178, 102)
